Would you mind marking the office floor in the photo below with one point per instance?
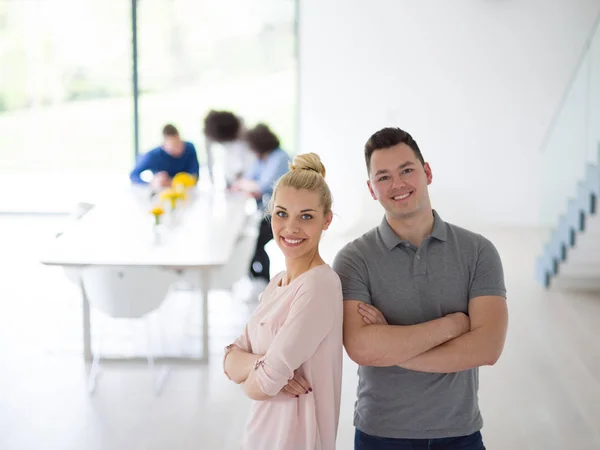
(543, 394)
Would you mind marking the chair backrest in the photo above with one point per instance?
(239, 262)
(127, 292)
(72, 274)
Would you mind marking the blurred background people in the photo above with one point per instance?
(224, 129)
(270, 164)
(165, 161)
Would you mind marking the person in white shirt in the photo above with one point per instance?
(225, 129)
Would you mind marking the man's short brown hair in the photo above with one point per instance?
(170, 130)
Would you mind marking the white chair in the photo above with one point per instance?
(80, 210)
(237, 267)
(226, 277)
(127, 293)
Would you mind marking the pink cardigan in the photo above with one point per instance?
(297, 327)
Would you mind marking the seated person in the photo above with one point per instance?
(226, 129)
(271, 163)
(166, 161)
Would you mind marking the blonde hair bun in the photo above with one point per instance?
(308, 161)
(307, 172)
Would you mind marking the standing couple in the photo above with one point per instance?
(418, 303)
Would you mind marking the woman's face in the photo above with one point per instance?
(298, 220)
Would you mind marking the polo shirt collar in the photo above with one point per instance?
(392, 240)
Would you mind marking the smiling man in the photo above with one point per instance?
(425, 307)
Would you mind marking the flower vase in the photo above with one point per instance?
(157, 233)
(173, 212)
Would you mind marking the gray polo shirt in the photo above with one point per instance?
(411, 285)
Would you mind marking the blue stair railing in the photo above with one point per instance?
(583, 205)
(570, 163)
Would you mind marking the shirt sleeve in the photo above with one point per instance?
(352, 270)
(488, 278)
(210, 161)
(193, 167)
(276, 166)
(253, 172)
(243, 341)
(248, 159)
(144, 163)
(311, 317)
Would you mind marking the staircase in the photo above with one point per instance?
(571, 257)
(569, 170)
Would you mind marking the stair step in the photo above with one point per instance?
(572, 253)
(586, 270)
(576, 283)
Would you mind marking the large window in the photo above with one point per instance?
(66, 93)
(65, 98)
(233, 54)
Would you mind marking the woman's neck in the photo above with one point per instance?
(297, 266)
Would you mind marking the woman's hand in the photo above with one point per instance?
(296, 386)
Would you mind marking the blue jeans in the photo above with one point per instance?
(363, 441)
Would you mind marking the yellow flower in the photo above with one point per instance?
(169, 194)
(166, 194)
(172, 196)
(157, 211)
(184, 180)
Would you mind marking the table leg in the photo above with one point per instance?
(87, 340)
(204, 290)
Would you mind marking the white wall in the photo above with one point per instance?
(475, 81)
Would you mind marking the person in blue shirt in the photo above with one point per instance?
(271, 163)
(172, 157)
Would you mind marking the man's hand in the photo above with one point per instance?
(372, 316)
(462, 323)
(161, 180)
(296, 386)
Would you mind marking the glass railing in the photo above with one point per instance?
(573, 140)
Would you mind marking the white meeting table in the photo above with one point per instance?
(118, 232)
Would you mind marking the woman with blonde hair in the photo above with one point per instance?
(289, 358)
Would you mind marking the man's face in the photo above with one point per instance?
(399, 181)
(173, 145)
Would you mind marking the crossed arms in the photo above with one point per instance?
(312, 315)
(450, 344)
